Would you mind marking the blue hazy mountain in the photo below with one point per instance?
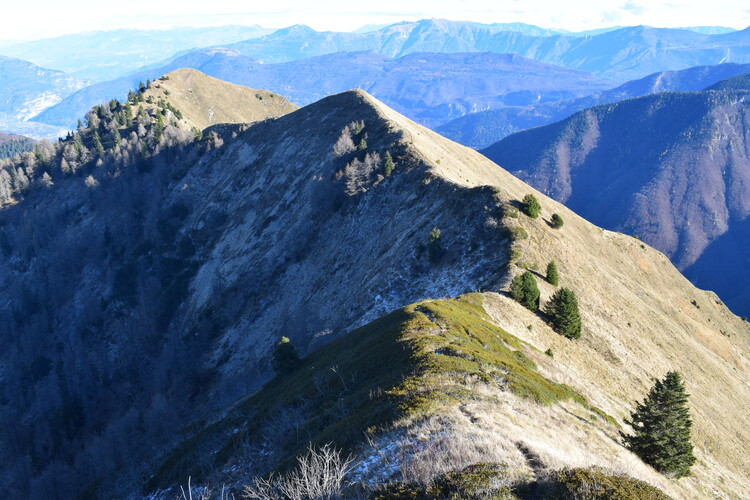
(102, 55)
(621, 54)
(625, 53)
(27, 89)
(479, 130)
(428, 87)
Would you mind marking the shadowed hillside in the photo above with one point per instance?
(11, 145)
(443, 384)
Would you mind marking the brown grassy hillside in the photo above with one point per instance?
(641, 318)
(206, 101)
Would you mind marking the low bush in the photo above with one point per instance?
(523, 289)
(563, 313)
(530, 206)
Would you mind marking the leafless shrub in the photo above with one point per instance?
(320, 475)
(91, 182)
(203, 493)
(358, 175)
(345, 143)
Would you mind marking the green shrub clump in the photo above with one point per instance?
(563, 313)
(434, 245)
(518, 233)
(595, 484)
(523, 289)
(388, 164)
(531, 206)
(557, 221)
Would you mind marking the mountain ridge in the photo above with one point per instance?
(100, 55)
(167, 305)
(641, 275)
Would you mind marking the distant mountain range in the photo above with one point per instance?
(621, 54)
(103, 55)
(430, 88)
(670, 168)
(26, 89)
(479, 130)
(617, 54)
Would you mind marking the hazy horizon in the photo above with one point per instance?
(23, 21)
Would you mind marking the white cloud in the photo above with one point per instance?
(40, 18)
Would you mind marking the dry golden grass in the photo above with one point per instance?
(639, 321)
(206, 101)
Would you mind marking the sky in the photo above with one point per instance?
(33, 19)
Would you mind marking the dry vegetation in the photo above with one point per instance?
(206, 101)
(639, 322)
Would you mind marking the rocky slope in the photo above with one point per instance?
(151, 316)
(213, 250)
(669, 168)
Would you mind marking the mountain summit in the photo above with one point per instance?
(204, 101)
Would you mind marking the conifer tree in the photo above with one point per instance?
(563, 313)
(661, 428)
(388, 164)
(97, 143)
(523, 289)
(285, 357)
(434, 245)
(158, 128)
(531, 206)
(552, 276)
